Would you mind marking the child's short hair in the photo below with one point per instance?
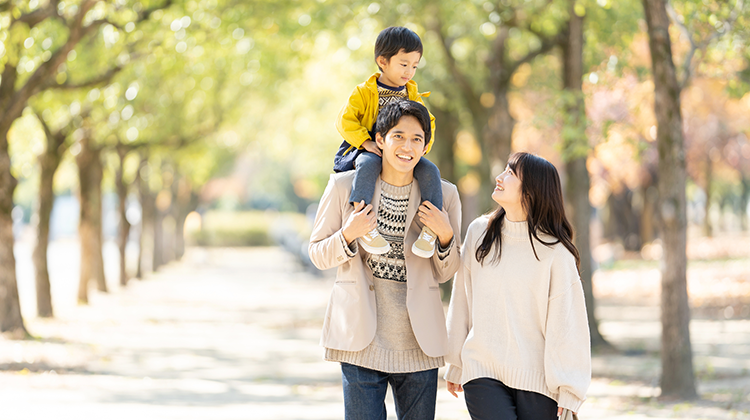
(392, 113)
(395, 38)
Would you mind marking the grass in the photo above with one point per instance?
(245, 228)
(635, 264)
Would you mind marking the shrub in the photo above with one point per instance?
(246, 228)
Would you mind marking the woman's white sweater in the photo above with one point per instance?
(521, 321)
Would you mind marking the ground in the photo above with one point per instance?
(233, 334)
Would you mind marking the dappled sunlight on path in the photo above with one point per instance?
(226, 330)
(233, 334)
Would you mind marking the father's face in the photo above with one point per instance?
(403, 145)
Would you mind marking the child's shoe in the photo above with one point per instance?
(374, 243)
(425, 245)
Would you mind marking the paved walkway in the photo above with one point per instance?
(233, 333)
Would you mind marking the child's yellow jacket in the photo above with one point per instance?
(359, 114)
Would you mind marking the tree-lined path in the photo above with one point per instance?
(233, 334)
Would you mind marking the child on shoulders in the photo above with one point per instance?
(397, 53)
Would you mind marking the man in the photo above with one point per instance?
(385, 321)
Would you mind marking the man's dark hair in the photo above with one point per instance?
(392, 113)
(394, 39)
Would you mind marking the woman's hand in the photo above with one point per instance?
(453, 388)
(359, 223)
(437, 220)
(559, 412)
(372, 147)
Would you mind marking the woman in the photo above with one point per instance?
(517, 328)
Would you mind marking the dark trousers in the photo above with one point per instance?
(415, 394)
(490, 399)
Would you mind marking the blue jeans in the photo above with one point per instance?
(490, 399)
(367, 169)
(415, 393)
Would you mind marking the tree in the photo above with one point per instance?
(515, 34)
(677, 377)
(24, 76)
(123, 231)
(576, 151)
(49, 161)
(90, 173)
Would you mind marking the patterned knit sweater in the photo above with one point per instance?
(388, 94)
(394, 348)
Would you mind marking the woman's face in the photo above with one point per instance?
(507, 189)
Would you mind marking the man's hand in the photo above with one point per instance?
(453, 388)
(359, 223)
(372, 147)
(437, 220)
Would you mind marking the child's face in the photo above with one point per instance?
(399, 69)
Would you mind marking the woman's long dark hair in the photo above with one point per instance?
(541, 197)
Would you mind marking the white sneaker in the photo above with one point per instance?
(373, 243)
(425, 245)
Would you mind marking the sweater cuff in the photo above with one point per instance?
(349, 249)
(569, 401)
(453, 374)
(443, 253)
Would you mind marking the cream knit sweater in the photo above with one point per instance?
(521, 321)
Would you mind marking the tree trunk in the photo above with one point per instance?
(744, 199)
(11, 321)
(146, 239)
(444, 142)
(707, 225)
(49, 161)
(579, 182)
(649, 217)
(186, 202)
(677, 377)
(624, 222)
(157, 256)
(90, 173)
(498, 134)
(123, 230)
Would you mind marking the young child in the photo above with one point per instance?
(397, 53)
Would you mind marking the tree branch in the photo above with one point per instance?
(44, 72)
(547, 44)
(55, 140)
(39, 15)
(38, 80)
(462, 81)
(46, 128)
(694, 46)
(98, 80)
(145, 14)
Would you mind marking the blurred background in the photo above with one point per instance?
(134, 131)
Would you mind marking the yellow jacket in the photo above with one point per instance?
(359, 114)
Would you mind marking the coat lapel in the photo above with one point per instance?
(411, 211)
(376, 197)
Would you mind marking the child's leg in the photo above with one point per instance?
(428, 176)
(367, 169)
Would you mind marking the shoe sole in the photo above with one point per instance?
(421, 253)
(373, 250)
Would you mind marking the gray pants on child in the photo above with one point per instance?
(368, 166)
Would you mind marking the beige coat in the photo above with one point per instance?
(350, 319)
